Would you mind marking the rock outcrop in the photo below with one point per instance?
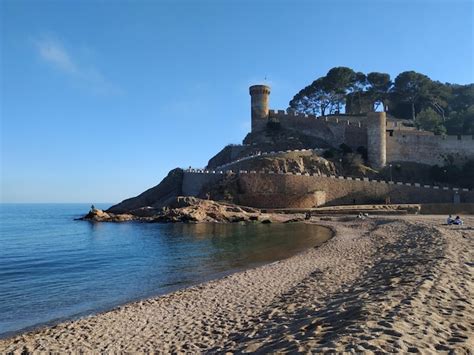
(184, 209)
(294, 162)
(96, 215)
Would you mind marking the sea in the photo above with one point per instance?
(55, 268)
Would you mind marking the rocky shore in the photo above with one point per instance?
(389, 284)
(184, 209)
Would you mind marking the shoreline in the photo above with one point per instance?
(363, 289)
(103, 310)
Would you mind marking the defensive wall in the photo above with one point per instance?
(234, 164)
(333, 129)
(194, 180)
(230, 153)
(408, 145)
(295, 190)
(385, 140)
(428, 149)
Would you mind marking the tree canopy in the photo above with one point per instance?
(431, 105)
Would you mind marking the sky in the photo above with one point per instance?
(100, 99)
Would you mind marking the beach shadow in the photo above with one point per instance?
(346, 313)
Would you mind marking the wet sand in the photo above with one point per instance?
(391, 284)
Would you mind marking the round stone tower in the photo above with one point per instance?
(259, 105)
(376, 139)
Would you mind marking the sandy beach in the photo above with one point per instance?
(385, 284)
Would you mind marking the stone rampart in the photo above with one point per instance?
(194, 180)
(428, 149)
(333, 129)
(262, 190)
(287, 190)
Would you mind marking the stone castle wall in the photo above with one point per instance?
(400, 145)
(333, 129)
(193, 182)
(428, 149)
(267, 190)
(270, 191)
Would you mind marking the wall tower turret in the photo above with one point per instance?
(259, 106)
(377, 139)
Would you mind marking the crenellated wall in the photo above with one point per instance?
(279, 191)
(407, 145)
(428, 149)
(271, 190)
(194, 181)
(399, 143)
(333, 129)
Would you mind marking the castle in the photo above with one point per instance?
(387, 141)
(235, 168)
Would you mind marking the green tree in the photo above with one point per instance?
(430, 120)
(357, 89)
(379, 86)
(437, 97)
(313, 99)
(461, 98)
(460, 109)
(411, 87)
(340, 81)
(462, 122)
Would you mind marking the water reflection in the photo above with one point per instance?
(238, 245)
(52, 267)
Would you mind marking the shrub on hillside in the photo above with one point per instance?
(329, 154)
(353, 160)
(345, 149)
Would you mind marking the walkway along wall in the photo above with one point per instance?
(266, 190)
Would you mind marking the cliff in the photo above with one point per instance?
(153, 199)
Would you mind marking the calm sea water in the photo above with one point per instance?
(54, 268)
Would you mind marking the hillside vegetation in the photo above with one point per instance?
(431, 105)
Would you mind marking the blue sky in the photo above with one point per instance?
(100, 99)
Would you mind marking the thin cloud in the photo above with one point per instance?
(53, 52)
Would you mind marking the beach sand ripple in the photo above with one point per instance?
(392, 284)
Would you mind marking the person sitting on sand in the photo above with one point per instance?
(450, 220)
(458, 221)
